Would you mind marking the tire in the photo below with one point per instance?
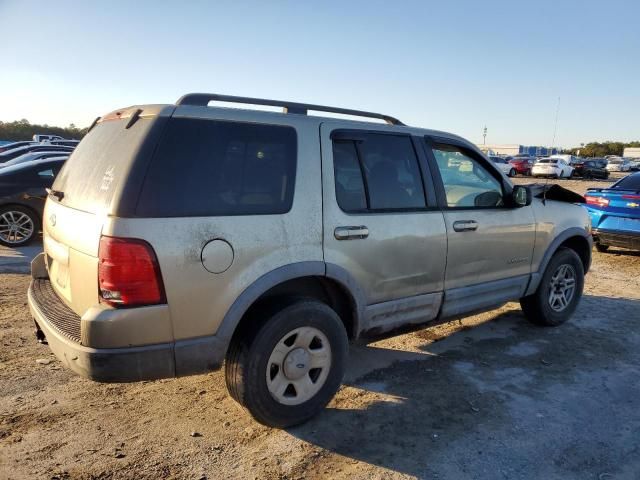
(601, 248)
(18, 226)
(512, 172)
(538, 308)
(587, 175)
(254, 366)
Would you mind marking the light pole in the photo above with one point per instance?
(484, 136)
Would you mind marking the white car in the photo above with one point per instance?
(552, 167)
(617, 164)
(503, 165)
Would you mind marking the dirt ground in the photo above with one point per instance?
(488, 397)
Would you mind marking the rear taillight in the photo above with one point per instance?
(599, 201)
(129, 273)
(631, 197)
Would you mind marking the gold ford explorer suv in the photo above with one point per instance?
(178, 237)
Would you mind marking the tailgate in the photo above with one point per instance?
(100, 180)
(71, 239)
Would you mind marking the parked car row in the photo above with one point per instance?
(563, 166)
(27, 169)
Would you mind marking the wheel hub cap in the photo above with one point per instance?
(297, 363)
(562, 287)
(298, 366)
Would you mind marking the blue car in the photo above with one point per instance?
(615, 214)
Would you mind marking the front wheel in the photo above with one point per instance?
(559, 291)
(286, 367)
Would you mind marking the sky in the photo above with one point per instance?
(449, 65)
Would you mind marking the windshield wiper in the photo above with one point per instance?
(55, 193)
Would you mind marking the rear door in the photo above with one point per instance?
(490, 244)
(382, 227)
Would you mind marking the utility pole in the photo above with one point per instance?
(555, 128)
(484, 136)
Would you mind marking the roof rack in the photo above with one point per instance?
(203, 99)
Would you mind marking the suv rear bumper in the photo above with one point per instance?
(61, 328)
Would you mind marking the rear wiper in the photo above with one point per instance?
(55, 193)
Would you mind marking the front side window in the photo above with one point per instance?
(377, 172)
(467, 183)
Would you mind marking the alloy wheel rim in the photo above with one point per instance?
(298, 366)
(15, 227)
(562, 287)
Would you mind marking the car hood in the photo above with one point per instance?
(555, 192)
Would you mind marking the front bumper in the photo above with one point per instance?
(612, 238)
(60, 326)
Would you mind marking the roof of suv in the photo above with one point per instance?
(194, 104)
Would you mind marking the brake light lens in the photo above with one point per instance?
(129, 273)
(599, 201)
(631, 197)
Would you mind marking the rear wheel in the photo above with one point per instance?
(18, 226)
(559, 291)
(512, 172)
(285, 369)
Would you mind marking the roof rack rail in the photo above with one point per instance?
(203, 99)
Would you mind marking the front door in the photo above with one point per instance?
(490, 242)
(381, 225)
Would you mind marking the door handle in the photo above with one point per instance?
(351, 233)
(465, 225)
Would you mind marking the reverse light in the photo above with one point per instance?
(598, 201)
(128, 273)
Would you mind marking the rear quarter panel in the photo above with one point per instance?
(198, 300)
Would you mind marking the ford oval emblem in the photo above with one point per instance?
(52, 219)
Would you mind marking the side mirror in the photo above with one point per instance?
(521, 196)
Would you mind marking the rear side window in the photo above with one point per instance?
(376, 173)
(218, 168)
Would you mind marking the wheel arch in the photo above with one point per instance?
(327, 283)
(574, 238)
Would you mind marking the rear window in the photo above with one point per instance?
(219, 168)
(630, 182)
(99, 164)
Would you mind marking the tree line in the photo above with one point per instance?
(23, 130)
(597, 149)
